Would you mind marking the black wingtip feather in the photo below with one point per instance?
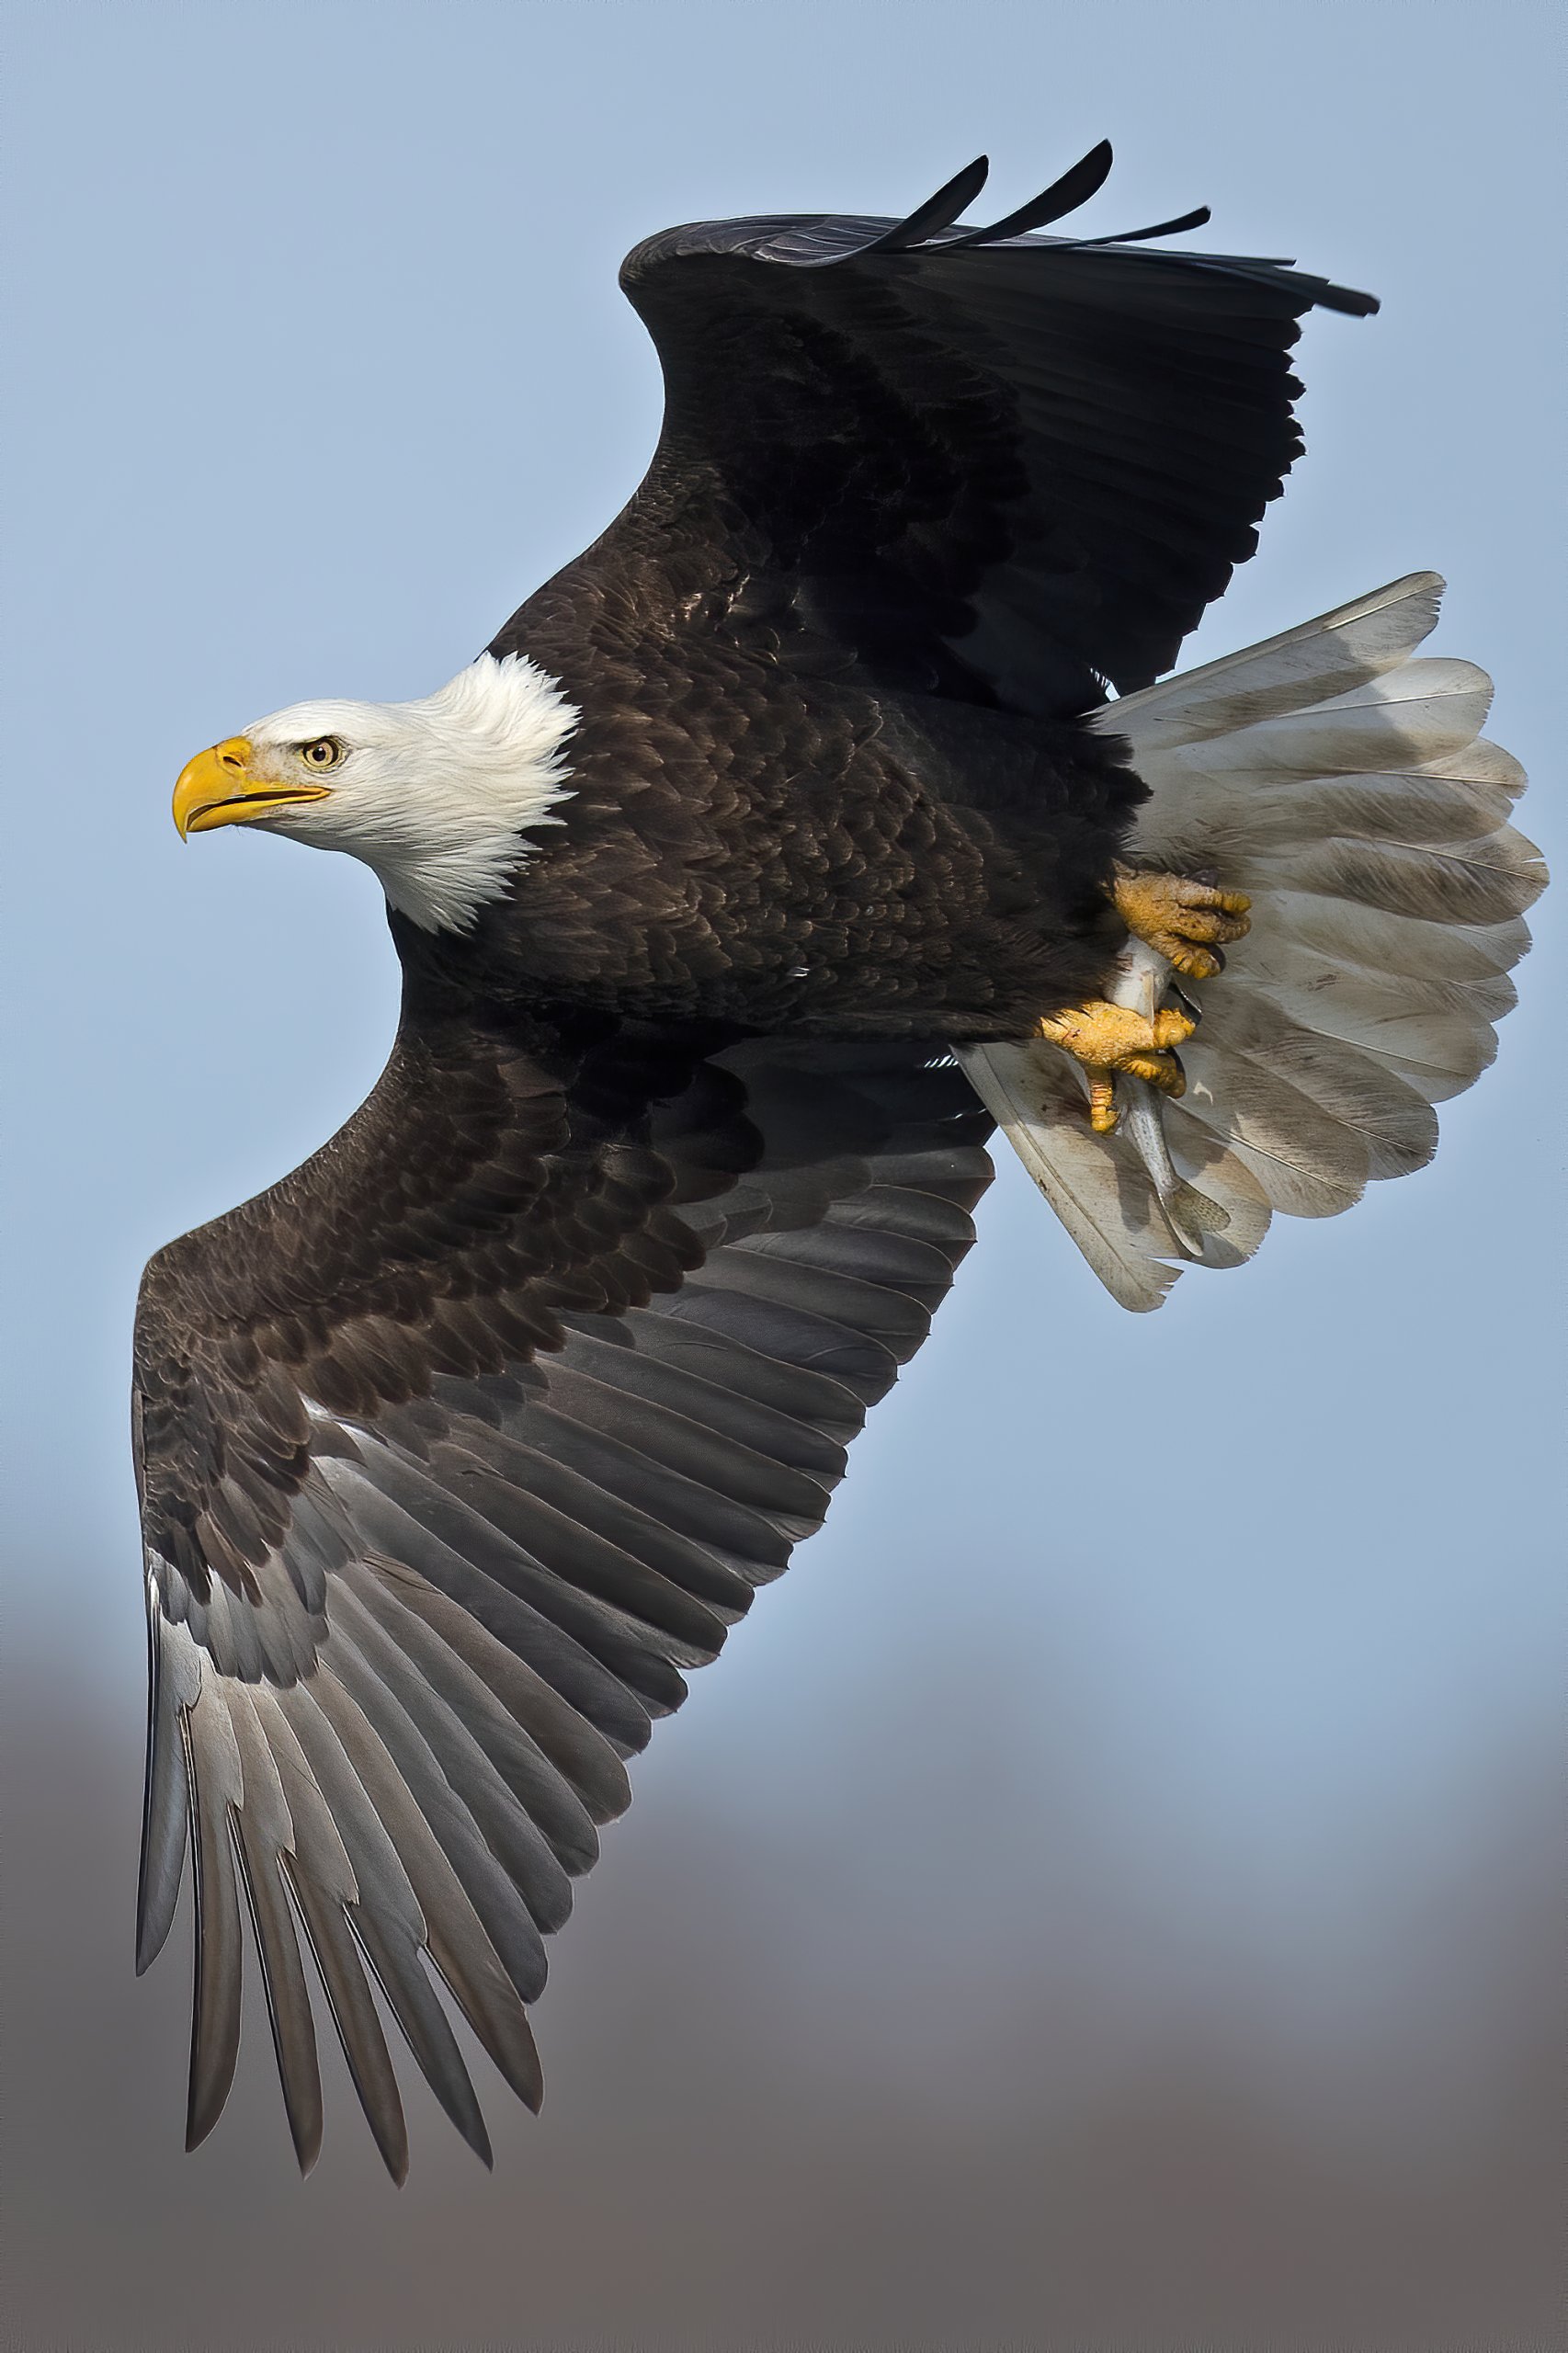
(925, 230)
(938, 213)
(1063, 196)
(1196, 218)
(1350, 300)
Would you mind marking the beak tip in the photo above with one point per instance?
(202, 782)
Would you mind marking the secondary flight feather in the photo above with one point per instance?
(772, 853)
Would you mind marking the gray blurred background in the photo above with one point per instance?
(1111, 1892)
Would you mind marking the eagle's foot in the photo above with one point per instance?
(1109, 1038)
(1186, 922)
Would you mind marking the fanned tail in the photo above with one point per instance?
(1346, 788)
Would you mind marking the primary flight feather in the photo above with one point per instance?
(772, 851)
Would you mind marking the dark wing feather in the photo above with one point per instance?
(994, 466)
(456, 1449)
(1076, 185)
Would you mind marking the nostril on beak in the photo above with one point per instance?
(231, 760)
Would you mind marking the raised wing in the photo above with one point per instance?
(983, 463)
(457, 1449)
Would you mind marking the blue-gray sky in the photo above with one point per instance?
(320, 367)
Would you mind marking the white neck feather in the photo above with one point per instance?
(435, 796)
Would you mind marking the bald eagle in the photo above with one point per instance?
(827, 813)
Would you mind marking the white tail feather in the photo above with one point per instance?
(1346, 788)
(1089, 1183)
(1288, 673)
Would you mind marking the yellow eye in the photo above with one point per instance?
(326, 752)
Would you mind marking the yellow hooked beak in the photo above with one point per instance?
(218, 789)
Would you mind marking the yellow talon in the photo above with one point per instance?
(1186, 921)
(1108, 1038)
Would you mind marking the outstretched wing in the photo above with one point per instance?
(456, 1449)
(983, 463)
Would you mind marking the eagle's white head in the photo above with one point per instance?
(435, 796)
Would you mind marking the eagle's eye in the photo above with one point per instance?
(326, 752)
